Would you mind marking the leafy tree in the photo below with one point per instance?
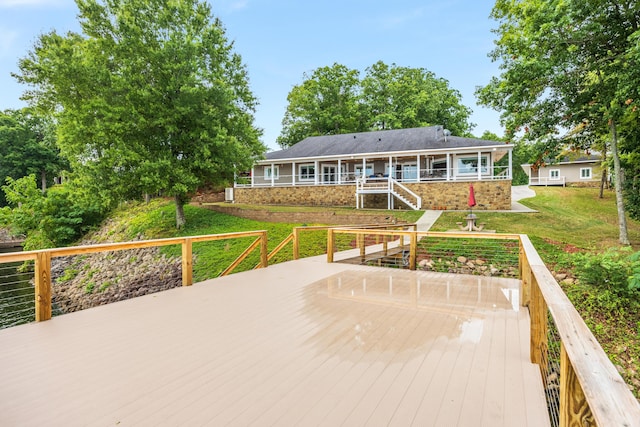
(149, 98)
(326, 103)
(564, 67)
(52, 219)
(27, 146)
(334, 100)
(397, 97)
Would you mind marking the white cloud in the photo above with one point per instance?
(39, 3)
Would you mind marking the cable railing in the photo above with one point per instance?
(38, 286)
(581, 385)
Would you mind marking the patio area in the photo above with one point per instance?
(299, 343)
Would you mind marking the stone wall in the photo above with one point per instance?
(305, 195)
(323, 217)
(490, 195)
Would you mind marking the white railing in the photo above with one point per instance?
(350, 178)
(543, 180)
(392, 187)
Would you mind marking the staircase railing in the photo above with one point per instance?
(393, 184)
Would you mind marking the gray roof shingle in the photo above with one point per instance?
(383, 141)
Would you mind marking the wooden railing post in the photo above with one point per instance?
(296, 244)
(574, 408)
(264, 250)
(525, 278)
(330, 245)
(538, 315)
(413, 250)
(43, 286)
(187, 262)
(361, 241)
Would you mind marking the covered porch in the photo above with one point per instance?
(422, 166)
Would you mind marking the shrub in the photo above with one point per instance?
(56, 218)
(617, 270)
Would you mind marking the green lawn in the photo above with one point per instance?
(574, 217)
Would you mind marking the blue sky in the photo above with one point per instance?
(280, 40)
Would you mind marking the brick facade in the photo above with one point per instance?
(490, 195)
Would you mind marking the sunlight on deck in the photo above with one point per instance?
(298, 343)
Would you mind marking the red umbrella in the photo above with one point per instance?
(472, 197)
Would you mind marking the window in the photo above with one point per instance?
(469, 165)
(554, 174)
(368, 170)
(307, 172)
(585, 173)
(267, 172)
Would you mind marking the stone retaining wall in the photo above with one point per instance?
(490, 195)
(324, 217)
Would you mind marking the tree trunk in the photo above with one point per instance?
(603, 178)
(180, 219)
(618, 184)
(43, 181)
(147, 198)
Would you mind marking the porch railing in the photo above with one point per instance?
(493, 173)
(546, 181)
(588, 390)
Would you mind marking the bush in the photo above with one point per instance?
(617, 270)
(56, 218)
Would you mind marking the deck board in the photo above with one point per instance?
(299, 343)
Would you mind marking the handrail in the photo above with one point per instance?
(393, 183)
(43, 258)
(591, 389)
(295, 235)
(546, 181)
(593, 386)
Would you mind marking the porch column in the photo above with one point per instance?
(511, 166)
(339, 171)
(448, 168)
(316, 173)
(253, 174)
(293, 173)
(273, 174)
(391, 168)
(479, 165)
(418, 167)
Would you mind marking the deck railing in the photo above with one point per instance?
(590, 391)
(42, 260)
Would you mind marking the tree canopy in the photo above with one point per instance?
(150, 97)
(27, 146)
(334, 100)
(566, 68)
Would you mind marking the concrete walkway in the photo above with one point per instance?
(518, 193)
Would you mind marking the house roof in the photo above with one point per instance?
(570, 160)
(383, 141)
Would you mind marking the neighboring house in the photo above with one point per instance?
(420, 168)
(582, 170)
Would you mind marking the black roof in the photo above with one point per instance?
(383, 141)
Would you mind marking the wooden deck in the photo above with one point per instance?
(299, 343)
